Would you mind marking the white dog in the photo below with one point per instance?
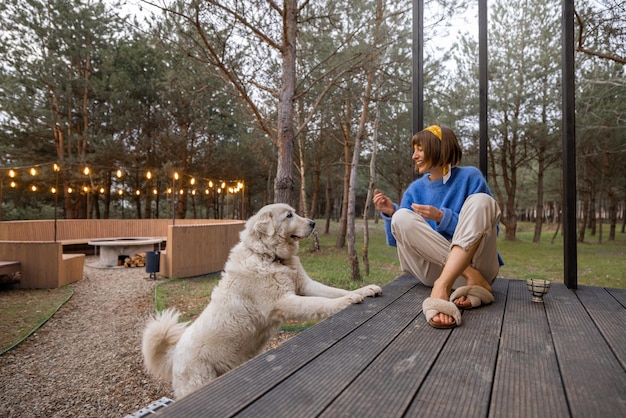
(263, 284)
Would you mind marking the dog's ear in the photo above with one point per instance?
(264, 224)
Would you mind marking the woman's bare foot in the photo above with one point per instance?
(442, 293)
(474, 278)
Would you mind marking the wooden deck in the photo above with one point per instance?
(514, 358)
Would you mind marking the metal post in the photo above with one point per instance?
(483, 85)
(1, 196)
(418, 65)
(174, 176)
(569, 147)
(56, 201)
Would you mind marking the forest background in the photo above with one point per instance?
(215, 108)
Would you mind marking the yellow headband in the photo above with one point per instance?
(435, 130)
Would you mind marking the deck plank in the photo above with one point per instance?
(459, 383)
(388, 385)
(619, 295)
(586, 362)
(527, 368)
(609, 316)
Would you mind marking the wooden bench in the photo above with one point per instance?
(9, 267)
(42, 264)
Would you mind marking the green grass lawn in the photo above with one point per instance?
(23, 310)
(598, 264)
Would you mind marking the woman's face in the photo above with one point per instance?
(421, 166)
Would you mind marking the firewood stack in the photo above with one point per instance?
(137, 260)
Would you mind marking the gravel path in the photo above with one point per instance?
(86, 361)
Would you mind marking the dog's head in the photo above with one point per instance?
(276, 230)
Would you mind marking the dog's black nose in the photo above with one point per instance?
(312, 224)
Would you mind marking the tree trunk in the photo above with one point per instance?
(315, 194)
(539, 206)
(612, 198)
(329, 205)
(283, 185)
(586, 195)
(302, 205)
(368, 199)
(623, 216)
(343, 220)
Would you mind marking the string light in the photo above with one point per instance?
(230, 186)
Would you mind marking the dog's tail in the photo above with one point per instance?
(159, 339)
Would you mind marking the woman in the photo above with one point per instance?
(445, 228)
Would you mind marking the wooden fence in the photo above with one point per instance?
(77, 231)
(193, 250)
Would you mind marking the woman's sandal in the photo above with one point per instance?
(434, 306)
(477, 295)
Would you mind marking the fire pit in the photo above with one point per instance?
(111, 249)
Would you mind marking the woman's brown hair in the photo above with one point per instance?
(439, 151)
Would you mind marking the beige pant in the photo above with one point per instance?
(423, 251)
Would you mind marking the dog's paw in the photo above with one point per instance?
(354, 297)
(370, 290)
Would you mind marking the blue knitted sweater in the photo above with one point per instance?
(448, 197)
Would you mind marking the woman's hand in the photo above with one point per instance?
(383, 203)
(428, 212)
